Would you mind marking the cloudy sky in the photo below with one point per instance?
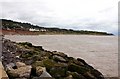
(98, 15)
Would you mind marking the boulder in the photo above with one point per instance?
(75, 61)
(59, 54)
(76, 68)
(81, 60)
(88, 75)
(59, 58)
(22, 71)
(38, 48)
(49, 63)
(39, 70)
(69, 77)
(26, 44)
(45, 74)
(75, 75)
(85, 64)
(97, 74)
(10, 66)
(20, 64)
(58, 72)
(20, 78)
(38, 63)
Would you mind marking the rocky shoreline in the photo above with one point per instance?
(25, 61)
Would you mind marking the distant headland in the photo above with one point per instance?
(10, 27)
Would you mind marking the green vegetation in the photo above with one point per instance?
(13, 25)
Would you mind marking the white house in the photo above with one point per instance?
(43, 30)
(31, 29)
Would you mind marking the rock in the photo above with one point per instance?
(26, 43)
(38, 63)
(75, 75)
(58, 71)
(44, 63)
(59, 54)
(17, 56)
(38, 48)
(42, 78)
(69, 77)
(59, 58)
(29, 61)
(27, 54)
(10, 66)
(88, 75)
(20, 78)
(76, 68)
(39, 70)
(22, 71)
(75, 61)
(54, 68)
(41, 73)
(45, 74)
(81, 60)
(49, 63)
(97, 74)
(20, 64)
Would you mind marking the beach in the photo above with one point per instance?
(101, 52)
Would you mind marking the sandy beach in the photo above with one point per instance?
(99, 51)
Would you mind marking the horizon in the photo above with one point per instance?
(77, 15)
(56, 27)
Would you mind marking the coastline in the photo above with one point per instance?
(23, 32)
(65, 65)
(102, 49)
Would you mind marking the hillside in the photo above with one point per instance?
(19, 27)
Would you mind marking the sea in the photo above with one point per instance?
(101, 52)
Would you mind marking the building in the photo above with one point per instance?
(31, 29)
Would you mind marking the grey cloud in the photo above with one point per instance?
(40, 14)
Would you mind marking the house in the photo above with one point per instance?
(32, 29)
(43, 30)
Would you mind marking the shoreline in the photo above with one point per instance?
(57, 58)
(103, 49)
(22, 32)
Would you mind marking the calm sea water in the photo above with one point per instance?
(99, 51)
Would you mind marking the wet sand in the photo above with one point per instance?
(99, 51)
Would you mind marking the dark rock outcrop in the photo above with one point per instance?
(23, 60)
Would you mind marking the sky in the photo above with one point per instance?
(94, 15)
